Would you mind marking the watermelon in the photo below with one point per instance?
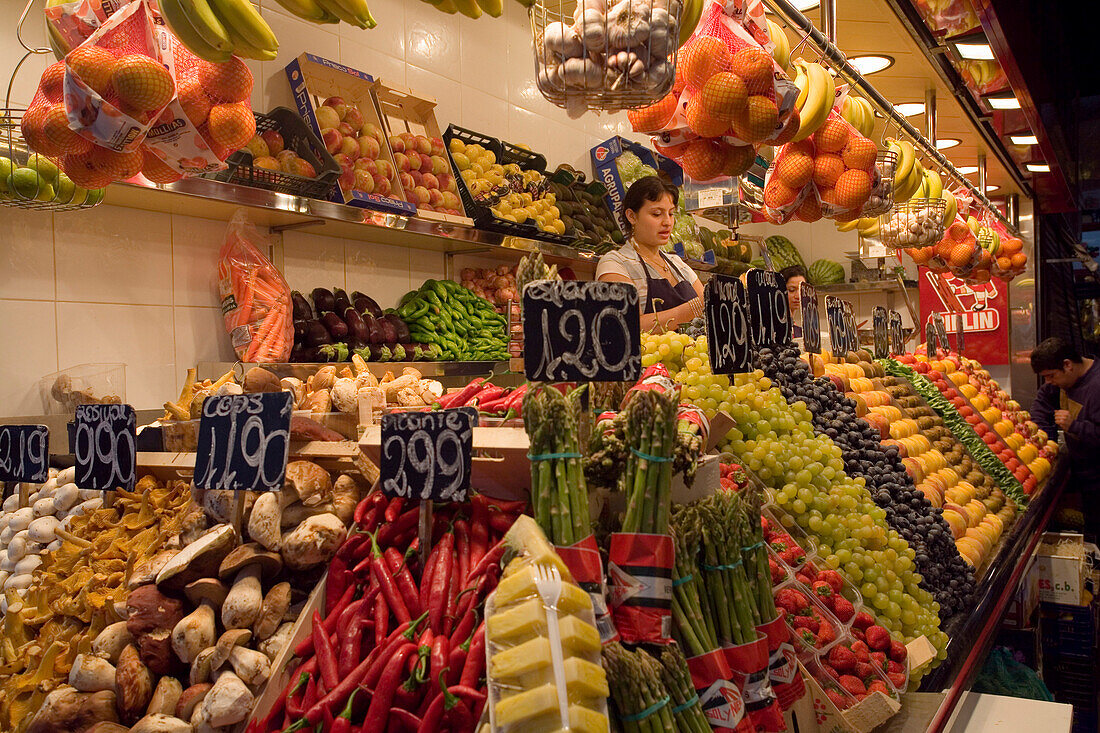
(783, 252)
(825, 272)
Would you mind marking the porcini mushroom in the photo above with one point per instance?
(263, 522)
(248, 563)
(196, 631)
(271, 611)
(226, 643)
(310, 482)
(202, 558)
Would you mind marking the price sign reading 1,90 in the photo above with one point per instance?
(24, 453)
(811, 319)
(427, 455)
(244, 442)
(581, 332)
(104, 443)
(769, 310)
(897, 336)
(727, 316)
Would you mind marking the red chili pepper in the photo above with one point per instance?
(326, 657)
(516, 398)
(393, 509)
(381, 619)
(286, 699)
(343, 723)
(441, 584)
(466, 613)
(456, 660)
(462, 547)
(384, 689)
(501, 523)
(305, 647)
(467, 693)
(492, 393)
(362, 508)
(409, 633)
(445, 708)
(398, 566)
(495, 404)
(408, 694)
(310, 698)
(389, 533)
(336, 583)
(350, 550)
(327, 721)
(389, 587)
(500, 505)
(475, 660)
(427, 576)
(492, 557)
(351, 645)
(440, 654)
(463, 396)
(406, 718)
(348, 614)
(479, 534)
(451, 617)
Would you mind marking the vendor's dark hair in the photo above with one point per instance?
(650, 188)
(1052, 354)
(793, 271)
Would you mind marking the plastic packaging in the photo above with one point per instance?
(83, 384)
(255, 297)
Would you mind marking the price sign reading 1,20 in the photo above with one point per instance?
(581, 332)
(427, 455)
(769, 310)
(24, 453)
(897, 337)
(727, 316)
(104, 443)
(811, 319)
(880, 329)
(244, 442)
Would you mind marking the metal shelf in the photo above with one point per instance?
(433, 369)
(886, 286)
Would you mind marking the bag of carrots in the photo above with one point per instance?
(255, 297)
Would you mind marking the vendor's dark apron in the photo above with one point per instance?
(660, 289)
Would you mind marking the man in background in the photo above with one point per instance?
(1069, 402)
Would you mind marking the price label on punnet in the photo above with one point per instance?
(728, 339)
(811, 318)
(880, 326)
(769, 310)
(897, 335)
(244, 442)
(581, 332)
(104, 442)
(427, 455)
(24, 453)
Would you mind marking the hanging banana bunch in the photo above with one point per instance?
(859, 114)
(816, 92)
(217, 29)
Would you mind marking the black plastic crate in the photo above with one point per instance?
(1085, 721)
(481, 214)
(297, 136)
(1068, 631)
(529, 160)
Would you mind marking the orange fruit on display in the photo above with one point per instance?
(231, 125)
(921, 255)
(704, 159)
(827, 170)
(794, 169)
(81, 169)
(1019, 261)
(859, 153)
(739, 158)
(986, 260)
(809, 211)
(853, 189)
(754, 66)
(94, 66)
(832, 136)
(759, 120)
(960, 255)
(777, 194)
(196, 105)
(670, 150)
(724, 95)
(32, 127)
(651, 118)
(117, 166)
(959, 231)
(156, 170)
(52, 83)
(702, 123)
(230, 81)
(679, 83)
(1004, 263)
(790, 128)
(55, 127)
(703, 58)
(1010, 246)
(142, 83)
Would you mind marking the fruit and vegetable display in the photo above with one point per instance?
(972, 250)
(731, 257)
(454, 323)
(425, 173)
(498, 286)
(584, 212)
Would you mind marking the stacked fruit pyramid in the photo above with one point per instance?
(805, 472)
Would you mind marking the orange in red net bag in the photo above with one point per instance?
(255, 297)
(845, 173)
(788, 185)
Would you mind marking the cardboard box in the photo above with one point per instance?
(1025, 600)
(1061, 578)
(607, 172)
(314, 79)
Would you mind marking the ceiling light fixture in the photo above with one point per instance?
(967, 169)
(1038, 167)
(1023, 139)
(975, 51)
(1002, 101)
(867, 65)
(991, 188)
(802, 5)
(908, 109)
(946, 142)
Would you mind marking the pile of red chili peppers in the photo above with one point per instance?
(400, 648)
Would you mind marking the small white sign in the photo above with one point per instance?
(709, 197)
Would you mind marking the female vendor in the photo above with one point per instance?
(669, 292)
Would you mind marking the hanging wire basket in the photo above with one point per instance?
(915, 223)
(882, 196)
(600, 56)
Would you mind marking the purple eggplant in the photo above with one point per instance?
(302, 309)
(357, 327)
(380, 352)
(399, 327)
(316, 333)
(365, 304)
(341, 301)
(374, 326)
(388, 329)
(301, 327)
(324, 300)
(336, 326)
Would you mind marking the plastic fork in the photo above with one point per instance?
(548, 584)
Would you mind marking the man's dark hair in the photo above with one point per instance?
(793, 271)
(1052, 354)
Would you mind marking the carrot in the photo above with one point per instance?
(244, 310)
(271, 323)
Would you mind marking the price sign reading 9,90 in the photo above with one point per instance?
(427, 455)
(581, 332)
(104, 443)
(769, 310)
(727, 316)
(244, 442)
(24, 453)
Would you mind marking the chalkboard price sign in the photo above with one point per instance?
(769, 310)
(897, 337)
(24, 453)
(727, 316)
(941, 330)
(427, 455)
(850, 330)
(880, 327)
(960, 335)
(581, 332)
(104, 444)
(838, 324)
(811, 319)
(244, 442)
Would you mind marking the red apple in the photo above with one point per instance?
(327, 117)
(439, 147)
(338, 104)
(423, 145)
(430, 181)
(353, 116)
(422, 194)
(368, 147)
(347, 180)
(332, 139)
(418, 178)
(450, 200)
(364, 181)
(435, 197)
(300, 167)
(439, 165)
(401, 160)
(346, 130)
(274, 141)
(372, 130)
(406, 180)
(349, 146)
(366, 164)
(397, 143)
(415, 160)
(385, 168)
(381, 185)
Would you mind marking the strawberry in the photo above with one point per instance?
(842, 658)
(893, 667)
(807, 637)
(826, 633)
(853, 685)
(863, 620)
(833, 578)
(897, 679)
(879, 660)
(858, 634)
(843, 608)
(791, 600)
(804, 579)
(879, 686)
(793, 556)
(806, 622)
(864, 670)
(878, 638)
(822, 589)
(898, 652)
(777, 573)
(837, 699)
(863, 654)
(831, 671)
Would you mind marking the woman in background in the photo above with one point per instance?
(794, 276)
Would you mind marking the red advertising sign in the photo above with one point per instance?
(982, 307)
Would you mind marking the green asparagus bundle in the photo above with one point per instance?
(754, 553)
(691, 617)
(687, 712)
(689, 445)
(641, 701)
(558, 490)
(532, 267)
(650, 436)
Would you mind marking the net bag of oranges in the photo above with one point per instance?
(788, 185)
(255, 297)
(68, 24)
(845, 173)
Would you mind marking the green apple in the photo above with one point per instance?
(45, 167)
(6, 167)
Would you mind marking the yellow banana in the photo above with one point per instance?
(803, 83)
(868, 129)
(335, 8)
(847, 226)
(308, 10)
(492, 8)
(819, 101)
(935, 184)
(689, 18)
(358, 9)
(447, 6)
(952, 208)
(782, 51)
(241, 17)
(904, 165)
(469, 8)
(913, 183)
(245, 50)
(868, 227)
(185, 17)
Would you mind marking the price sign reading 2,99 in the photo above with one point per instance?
(811, 319)
(769, 310)
(581, 332)
(727, 316)
(244, 442)
(104, 443)
(24, 453)
(427, 455)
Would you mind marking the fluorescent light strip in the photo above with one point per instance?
(967, 169)
(1038, 167)
(867, 65)
(908, 109)
(991, 189)
(946, 143)
(1023, 139)
(975, 51)
(1003, 103)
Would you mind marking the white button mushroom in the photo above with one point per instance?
(66, 475)
(17, 548)
(11, 503)
(27, 565)
(66, 497)
(43, 529)
(43, 508)
(18, 582)
(21, 519)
